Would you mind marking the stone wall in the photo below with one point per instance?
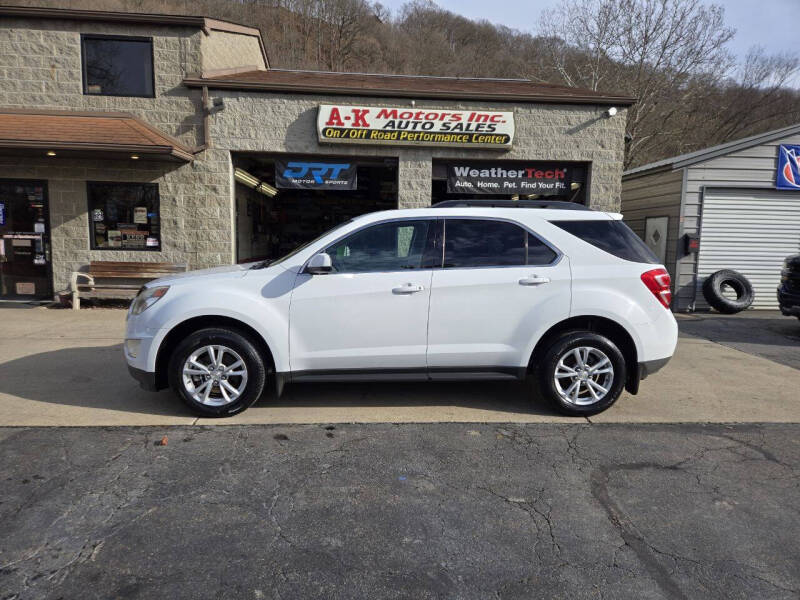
(264, 122)
(195, 209)
(226, 50)
(40, 68)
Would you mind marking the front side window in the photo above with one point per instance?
(393, 246)
(124, 216)
(117, 66)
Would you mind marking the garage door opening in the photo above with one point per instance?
(283, 201)
(750, 231)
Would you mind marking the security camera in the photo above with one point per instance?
(610, 112)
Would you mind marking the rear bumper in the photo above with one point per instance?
(146, 379)
(651, 366)
(789, 302)
(643, 369)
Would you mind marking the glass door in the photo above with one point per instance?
(24, 240)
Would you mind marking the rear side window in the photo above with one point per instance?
(485, 243)
(612, 236)
(539, 253)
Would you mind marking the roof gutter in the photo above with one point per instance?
(101, 15)
(404, 93)
(96, 147)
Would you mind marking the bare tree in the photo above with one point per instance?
(650, 49)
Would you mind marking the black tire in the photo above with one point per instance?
(239, 343)
(562, 346)
(712, 291)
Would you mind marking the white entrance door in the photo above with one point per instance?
(655, 236)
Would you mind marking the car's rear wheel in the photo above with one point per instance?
(581, 373)
(217, 372)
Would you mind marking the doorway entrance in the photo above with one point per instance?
(275, 213)
(24, 241)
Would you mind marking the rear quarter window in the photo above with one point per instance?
(611, 236)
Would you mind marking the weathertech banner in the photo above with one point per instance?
(315, 175)
(338, 124)
(534, 178)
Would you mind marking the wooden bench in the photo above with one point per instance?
(117, 279)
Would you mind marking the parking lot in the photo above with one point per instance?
(412, 511)
(688, 490)
(61, 367)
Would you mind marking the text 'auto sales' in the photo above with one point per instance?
(375, 125)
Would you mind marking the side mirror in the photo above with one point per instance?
(319, 264)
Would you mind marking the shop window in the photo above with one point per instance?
(117, 66)
(124, 216)
(394, 246)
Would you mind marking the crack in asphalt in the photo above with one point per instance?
(444, 478)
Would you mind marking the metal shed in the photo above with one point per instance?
(736, 200)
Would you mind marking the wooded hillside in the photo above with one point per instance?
(670, 54)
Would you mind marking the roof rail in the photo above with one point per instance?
(486, 203)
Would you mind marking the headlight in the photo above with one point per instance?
(146, 298)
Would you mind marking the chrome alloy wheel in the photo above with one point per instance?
(584, 375)
(214, 375)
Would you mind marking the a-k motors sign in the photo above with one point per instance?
(338, 124)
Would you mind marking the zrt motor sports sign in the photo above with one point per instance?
(414, 127)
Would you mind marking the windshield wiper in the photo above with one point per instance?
(261, 265)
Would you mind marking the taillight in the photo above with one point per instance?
(658, 282)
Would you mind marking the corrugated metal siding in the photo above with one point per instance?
(654, 195)
(758, 163)
(751, 231)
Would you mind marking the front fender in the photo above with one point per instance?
(267, 316)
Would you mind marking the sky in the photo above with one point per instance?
(768, 23)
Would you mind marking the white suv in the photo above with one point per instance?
(572, 298)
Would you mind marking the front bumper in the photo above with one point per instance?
(789, 302)
(146, 379)
(140, 350)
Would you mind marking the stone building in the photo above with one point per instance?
(163, 138)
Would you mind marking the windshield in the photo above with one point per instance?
(300, 248)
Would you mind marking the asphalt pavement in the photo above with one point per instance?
(401, 511)
(767, 334)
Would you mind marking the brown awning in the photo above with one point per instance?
(91, 134)
(406, 86)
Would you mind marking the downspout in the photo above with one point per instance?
(206, 121)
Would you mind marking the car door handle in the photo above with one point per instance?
(534, 280)
(408, 288)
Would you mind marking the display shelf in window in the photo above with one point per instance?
(124, 216)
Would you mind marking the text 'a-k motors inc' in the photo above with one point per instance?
(387, 125)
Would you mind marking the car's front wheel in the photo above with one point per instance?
(217, 372)
(581, 373)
